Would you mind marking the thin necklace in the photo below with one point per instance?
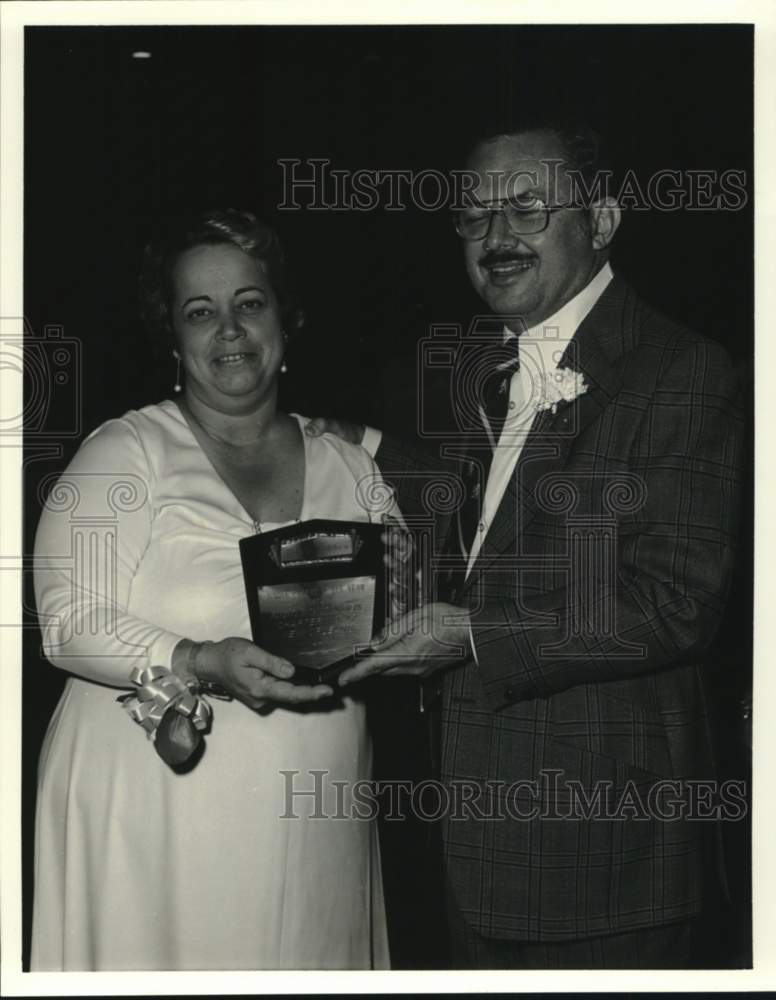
(214, 437)
(188, 411)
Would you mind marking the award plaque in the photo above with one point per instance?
(316, 593)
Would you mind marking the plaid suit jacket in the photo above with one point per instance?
(575, 743)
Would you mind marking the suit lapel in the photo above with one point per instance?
(595, 352)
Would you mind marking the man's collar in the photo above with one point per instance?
(557, 330)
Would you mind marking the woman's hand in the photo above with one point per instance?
(245, 671)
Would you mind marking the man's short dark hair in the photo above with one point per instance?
(584, 148)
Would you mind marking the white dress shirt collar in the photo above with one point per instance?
(541, 348)
(564, 323)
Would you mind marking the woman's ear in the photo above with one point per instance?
(605, 216)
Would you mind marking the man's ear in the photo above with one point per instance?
(605, 218)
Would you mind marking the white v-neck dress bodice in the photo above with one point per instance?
(224, 867)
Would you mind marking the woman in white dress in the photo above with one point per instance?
(137, 865)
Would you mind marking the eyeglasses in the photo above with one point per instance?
(523, 218)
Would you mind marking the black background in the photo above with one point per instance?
(112, 143)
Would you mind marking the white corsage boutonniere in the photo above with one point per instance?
(561, 386)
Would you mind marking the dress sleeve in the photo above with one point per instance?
(384, 504)
(93, 533)
(371, 440)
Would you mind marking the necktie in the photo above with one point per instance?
(495, 402)
(495, 395)
(501, 364)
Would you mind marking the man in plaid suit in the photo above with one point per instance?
(583, 591)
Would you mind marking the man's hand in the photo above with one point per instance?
(427, 639)
(354, 433)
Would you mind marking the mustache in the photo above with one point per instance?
(494, 257)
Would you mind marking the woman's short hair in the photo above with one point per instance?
(211, 228)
